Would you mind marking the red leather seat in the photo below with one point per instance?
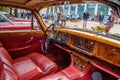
(58, 76)
(70, 73)
(1, 70)
(32, 66)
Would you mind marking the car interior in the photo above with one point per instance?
(41, 52)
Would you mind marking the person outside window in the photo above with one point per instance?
(85, 18)
(110, 22)
(54, 18)
(23, 14)
(111, 19)
(58, 15)
(101, 17)
(63, 18)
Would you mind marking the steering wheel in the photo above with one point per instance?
(48, 39)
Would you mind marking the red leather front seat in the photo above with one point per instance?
(57, 76)
(32, 66)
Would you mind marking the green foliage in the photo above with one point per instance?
(98, 29)
(101, 29)
(3, 9)
(114, 35)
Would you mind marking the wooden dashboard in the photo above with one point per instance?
(99, 50)
(88, 50)
(93, 45)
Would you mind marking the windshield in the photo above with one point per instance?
(95, 18)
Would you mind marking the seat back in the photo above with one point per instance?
(4, 55)
(7, 69)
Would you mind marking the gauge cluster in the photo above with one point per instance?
(83, 44)
(62, 38)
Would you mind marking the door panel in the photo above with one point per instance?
(19, 46)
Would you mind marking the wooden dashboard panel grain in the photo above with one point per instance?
(107, 53)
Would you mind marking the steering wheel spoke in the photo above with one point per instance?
(48, 39)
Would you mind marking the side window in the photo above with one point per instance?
(17, 19)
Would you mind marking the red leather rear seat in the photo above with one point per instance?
(32, 66)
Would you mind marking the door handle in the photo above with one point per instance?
(31, 38)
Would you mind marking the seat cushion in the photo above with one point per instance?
(26, 68)
(33, 66)
(47, 65)
(58, 76)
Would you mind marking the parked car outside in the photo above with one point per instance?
(16, 23)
